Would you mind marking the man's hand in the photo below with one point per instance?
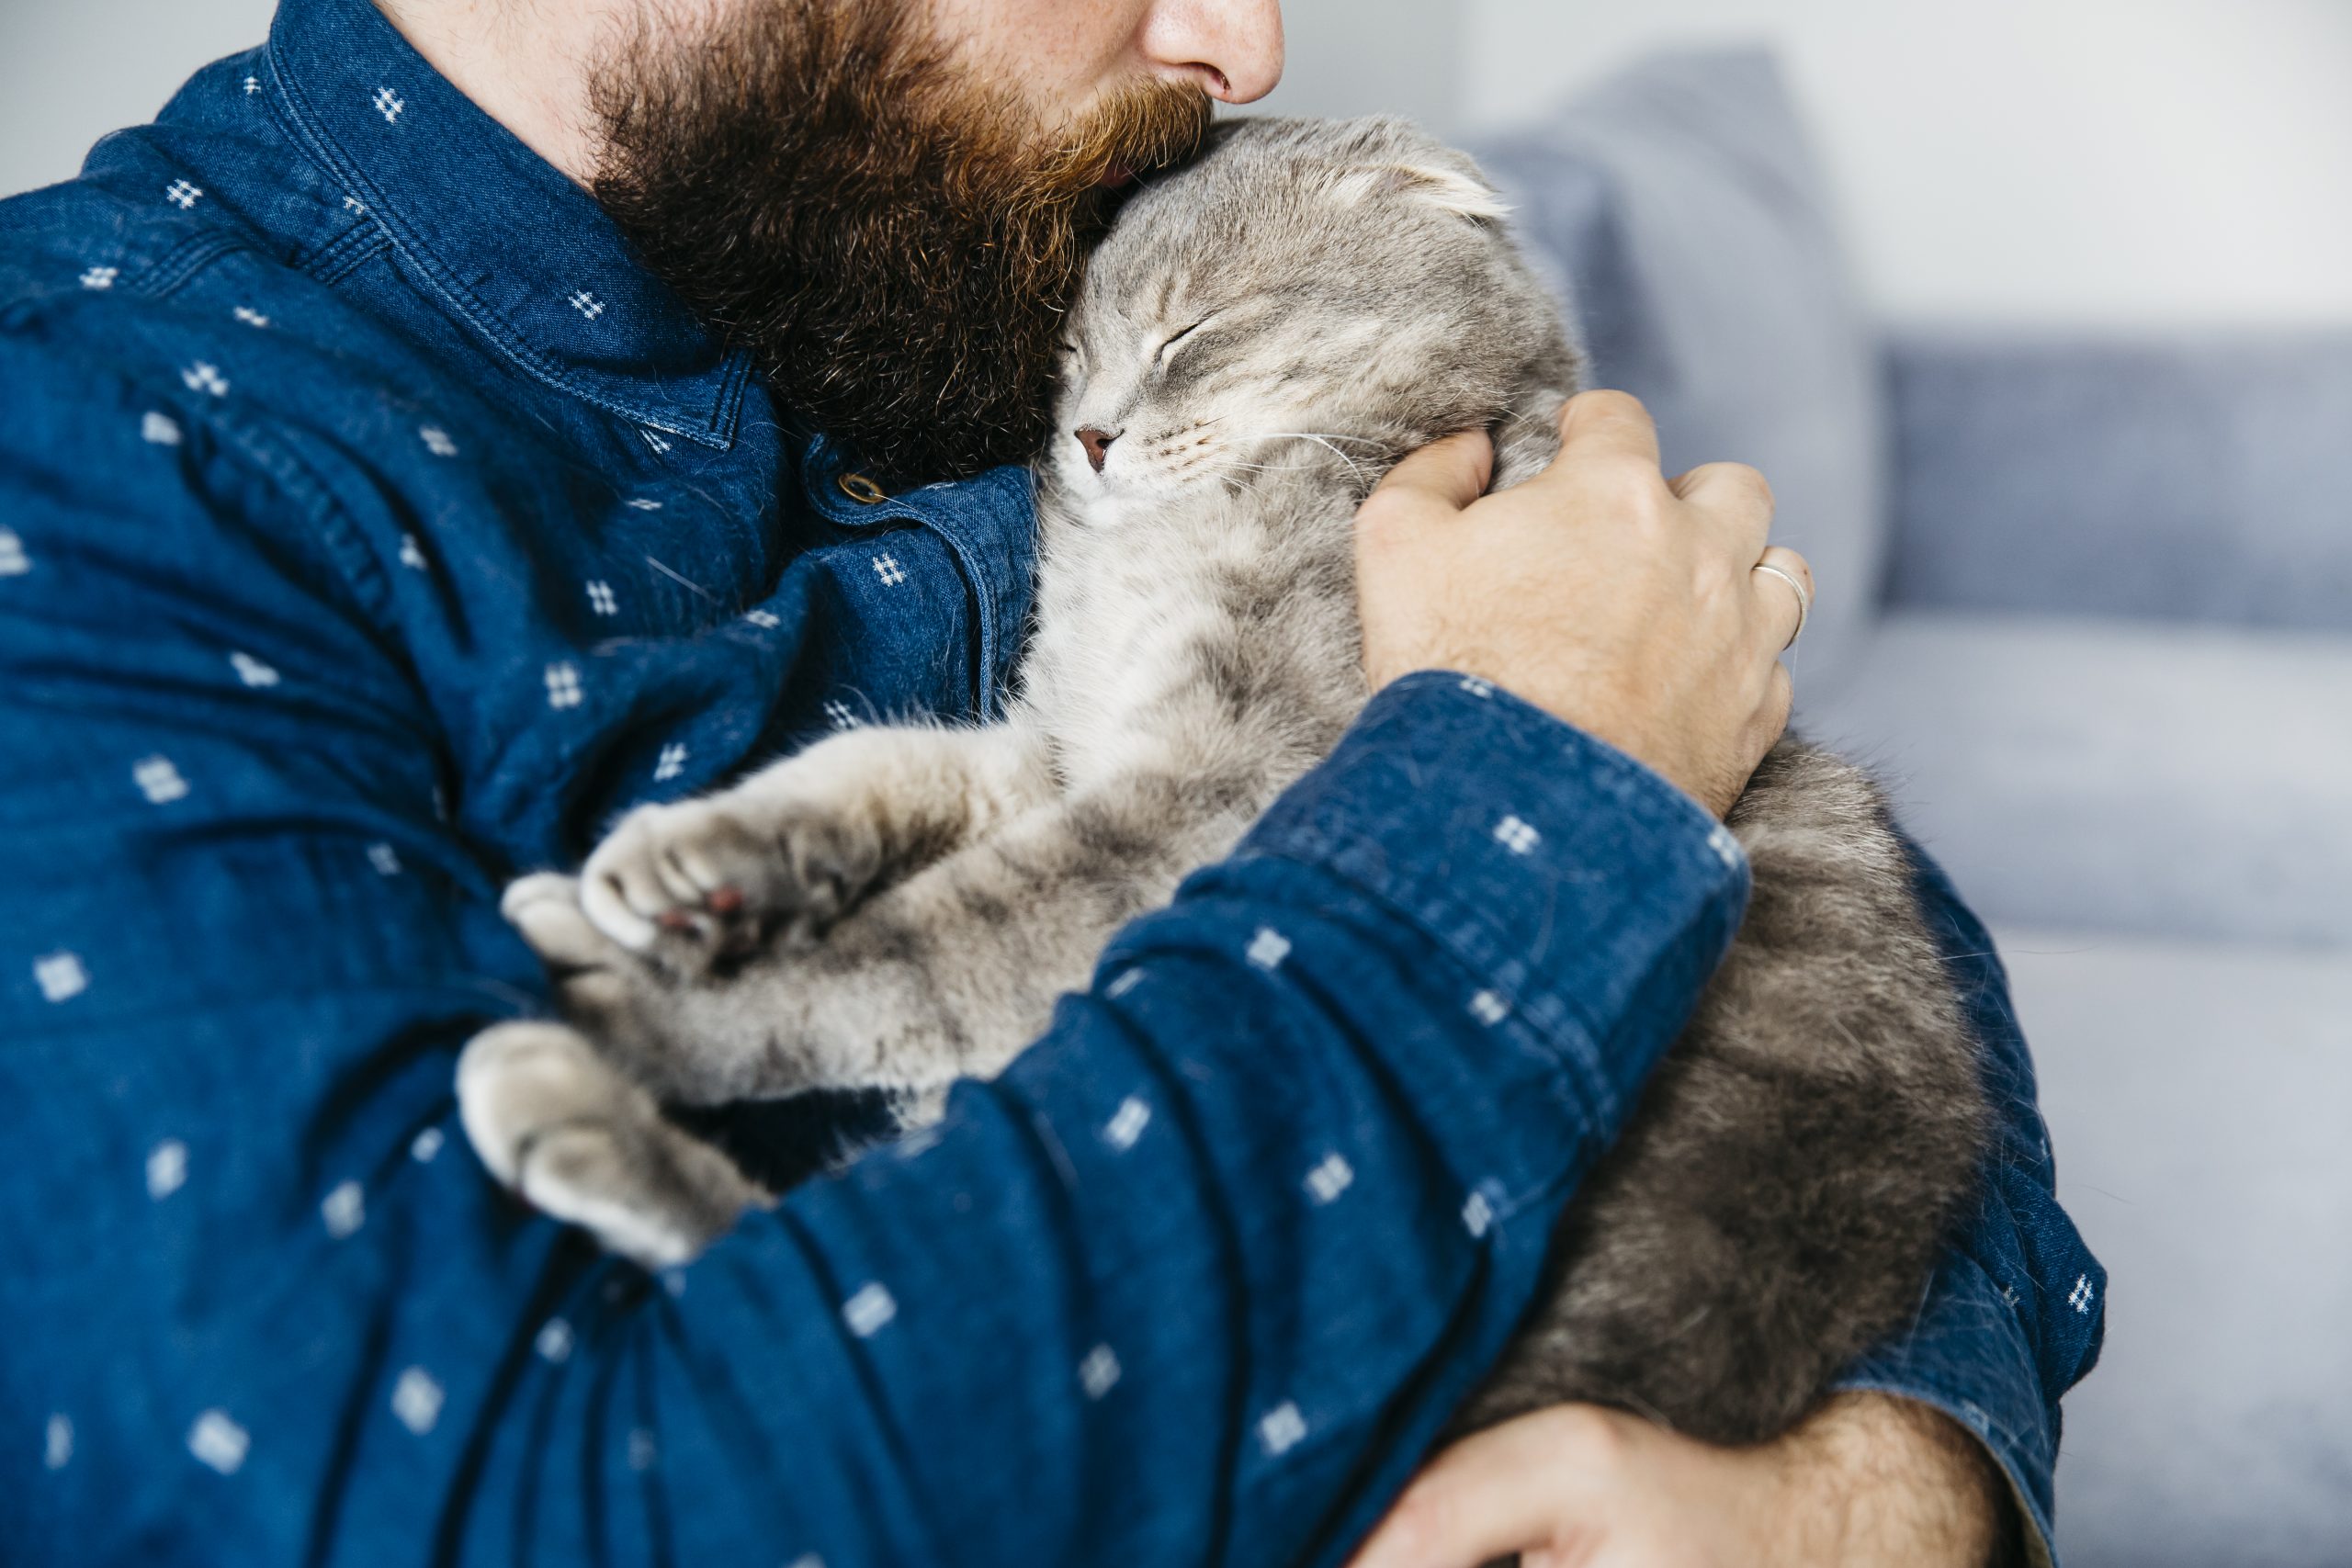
(1869, 1482)
(1627, 606)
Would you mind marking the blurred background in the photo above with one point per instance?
(2038, 315)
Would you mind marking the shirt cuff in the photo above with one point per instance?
(1967, 1357)
(1590, 897)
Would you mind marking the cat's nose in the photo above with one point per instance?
(1097, 443)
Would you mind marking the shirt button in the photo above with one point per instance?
(860, 489)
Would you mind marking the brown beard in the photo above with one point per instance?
(896, 246)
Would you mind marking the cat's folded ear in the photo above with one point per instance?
(1456, 190)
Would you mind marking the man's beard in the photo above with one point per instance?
(895, 244)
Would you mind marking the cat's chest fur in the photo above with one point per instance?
(1219, 631)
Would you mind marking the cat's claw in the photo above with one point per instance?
(562, 1128)
(705, 880)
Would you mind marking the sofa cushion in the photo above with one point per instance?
(2194, 476)
(2114, 776)
(1686, 211)
(2196, 1095)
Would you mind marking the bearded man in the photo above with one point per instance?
(449, 425)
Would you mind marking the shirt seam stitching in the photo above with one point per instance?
(322, 151)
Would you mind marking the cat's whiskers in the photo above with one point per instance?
(1325, 441)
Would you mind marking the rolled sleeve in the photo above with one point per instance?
(2017, 1311)
(1203, 1273)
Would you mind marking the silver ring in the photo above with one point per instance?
(1804, 600)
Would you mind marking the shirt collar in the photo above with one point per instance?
(519, 252)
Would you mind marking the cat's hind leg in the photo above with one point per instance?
(563, 1127)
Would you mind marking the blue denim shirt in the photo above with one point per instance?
(372, 528)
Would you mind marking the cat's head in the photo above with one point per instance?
(1328, 293)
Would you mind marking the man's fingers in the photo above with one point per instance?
(1732, 495)
(1600, 425)
(1452, 472)
(1771, 720)
(1499, 1492)
(1780, 605)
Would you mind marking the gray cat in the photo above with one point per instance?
(1259, 338)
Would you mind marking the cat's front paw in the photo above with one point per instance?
(560, 1127)
(704, 880)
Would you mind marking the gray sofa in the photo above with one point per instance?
(2087, 606)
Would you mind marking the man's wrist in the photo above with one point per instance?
(1873, 1480)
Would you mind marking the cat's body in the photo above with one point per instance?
(1260, 339)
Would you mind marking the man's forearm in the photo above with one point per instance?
(1877, 1480)
(1231, 1242)
(2016, 1312)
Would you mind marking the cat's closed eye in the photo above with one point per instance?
(1168, 348)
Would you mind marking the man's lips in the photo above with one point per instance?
(1114, 176)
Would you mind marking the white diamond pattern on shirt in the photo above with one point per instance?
(1281, 1429)
(1332, 1177)
(14, 561)
(1477, 1215)
(1268, 948)
(182, 194)
(1126, 1124)
(1099, 1373)
(416, 1399)
(563, 685)
(166, 1169)
(1516, 836)
(345, 1209)
(206, 377)
(100, 277)
(218, 1441)
(251, 670)
(390, 104)
(1727, 847)
(60, 977)
(869, 1311)
(57, 1447)
(159, 780)
(159, 430)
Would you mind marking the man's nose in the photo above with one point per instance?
(1097, 443)
(1234, 48)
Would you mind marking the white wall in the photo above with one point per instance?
(2086, 161)
(2090, 161)
(1358, 56)
(73, 70)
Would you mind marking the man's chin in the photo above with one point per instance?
(896, 251)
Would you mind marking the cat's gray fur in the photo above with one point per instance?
(913, 898)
